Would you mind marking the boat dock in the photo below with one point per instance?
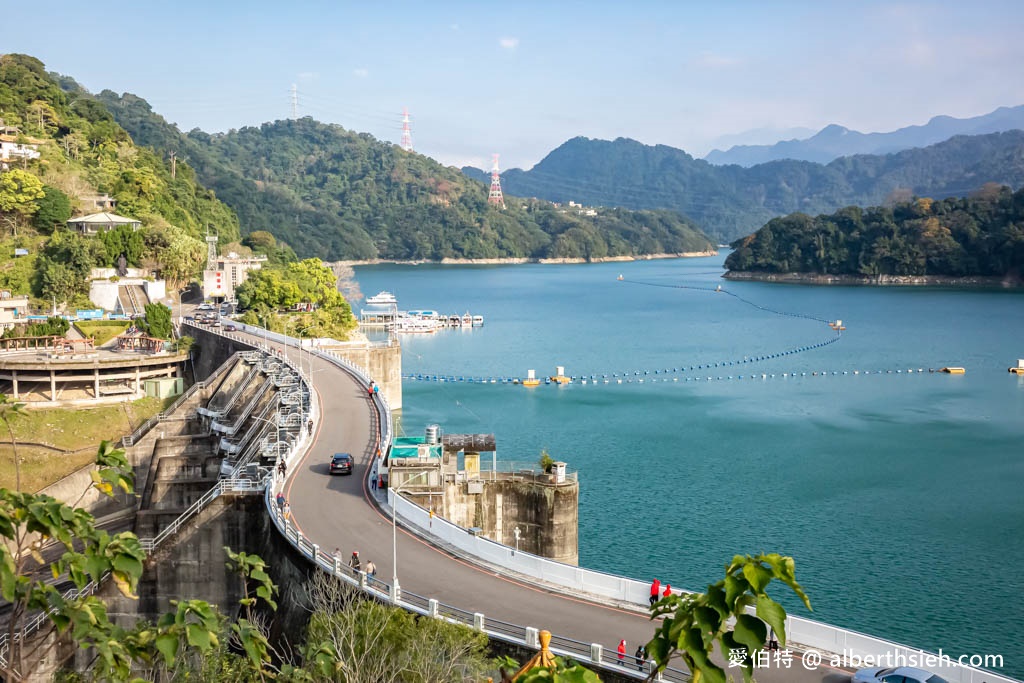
(382, 312)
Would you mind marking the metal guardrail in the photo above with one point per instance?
(221, 487)
(144, 428)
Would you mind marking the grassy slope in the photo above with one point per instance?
(70, 429)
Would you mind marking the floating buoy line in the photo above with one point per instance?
(675, 374)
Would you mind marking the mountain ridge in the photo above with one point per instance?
(834, 141)
(733, 201)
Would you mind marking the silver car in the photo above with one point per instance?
(900, 674)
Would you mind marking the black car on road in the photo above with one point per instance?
(341, 463)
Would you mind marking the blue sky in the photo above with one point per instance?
(520, 78)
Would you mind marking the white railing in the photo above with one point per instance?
(804, 633)
(599, 585)
(223, 486)
(144, 428)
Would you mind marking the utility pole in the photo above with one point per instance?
(174, 164)
(295, 101)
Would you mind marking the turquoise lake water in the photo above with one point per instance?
(900, 496)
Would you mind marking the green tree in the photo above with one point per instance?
(29, 520)
(19, 191)
(157, 321)
(123, 240)
(11, 410)
(695, 622)
(54, 209)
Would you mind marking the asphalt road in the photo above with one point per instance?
(337, 512)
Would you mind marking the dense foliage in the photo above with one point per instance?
(730, 201)
(299, 298)
(157, 321)
(53, 326)
(334, 193)
(979, 235)
(84, 152)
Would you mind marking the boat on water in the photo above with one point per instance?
(478, 321)
(466, 320)
(416, 326)
(382, 299)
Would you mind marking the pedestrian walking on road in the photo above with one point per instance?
(280, 501)
(371, 568)
(354, 560)
(282, 468)
(373, 482)
(640, 656)
(287, 511)
(622, 652)
(655, 591)
(668, 590)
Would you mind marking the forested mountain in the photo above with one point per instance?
(979, 235)
(337, 194)
(73, 149)
(732, 201)
(835, 141)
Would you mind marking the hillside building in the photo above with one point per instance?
(14, 145)
(95, 223)
(13, 309)
(224, 273)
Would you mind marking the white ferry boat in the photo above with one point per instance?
(382, 299)
(478, 321)
(410, 325)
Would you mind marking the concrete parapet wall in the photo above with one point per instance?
(382, 363)
(546, 515)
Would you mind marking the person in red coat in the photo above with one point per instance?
(655, 591)
(622, 652)
(668, 590)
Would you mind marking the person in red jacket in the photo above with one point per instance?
(622, 652)
(655, 591)
(668, 590)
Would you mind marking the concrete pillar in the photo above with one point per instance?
(14, 381)
(96, 383)
(595, 652)
(137, 378)
(432, 606)
(53, 385)
(478, 621)
(532, 637)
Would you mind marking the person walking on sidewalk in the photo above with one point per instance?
(622, 652)
(354, 560)
(655, 591)
(371, 568)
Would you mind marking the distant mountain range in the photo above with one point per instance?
(835, 141)
(731, 201)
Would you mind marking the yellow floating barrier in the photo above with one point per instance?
(531, 379)
(953, 371)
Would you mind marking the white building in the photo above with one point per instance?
(226, 273)
(14, 145)
(12, 309)
(96, 223)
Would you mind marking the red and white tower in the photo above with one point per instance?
(406, 133)
(495, 196)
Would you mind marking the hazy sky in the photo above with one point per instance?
(520, 78)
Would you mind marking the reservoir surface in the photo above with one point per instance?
(900, 495)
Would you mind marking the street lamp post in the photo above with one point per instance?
(396, 590)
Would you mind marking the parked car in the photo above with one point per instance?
(900, 674)
(341, 463)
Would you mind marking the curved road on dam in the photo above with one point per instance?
(337, 512)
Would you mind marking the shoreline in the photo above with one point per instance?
(521, 260)
(877, 280)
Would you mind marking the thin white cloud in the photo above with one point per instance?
(454, 27)
(307, 76)
(509, 43)
(361, 73)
